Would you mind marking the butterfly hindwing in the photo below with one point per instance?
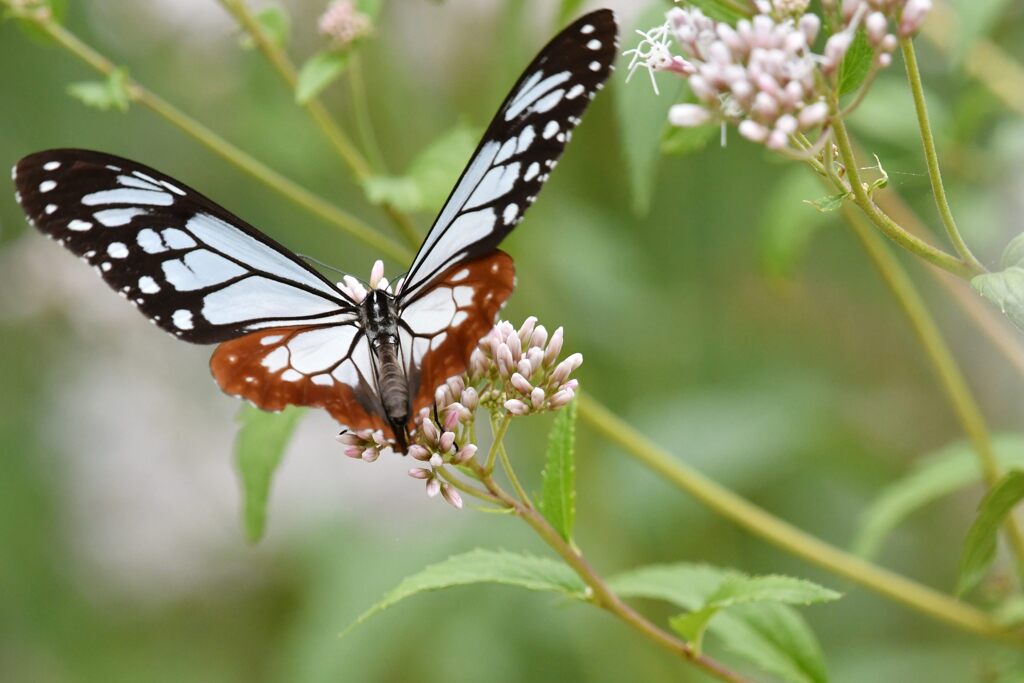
(441, 328)
(519, 148)
(189, 265)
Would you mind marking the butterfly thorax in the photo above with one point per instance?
(379, 316)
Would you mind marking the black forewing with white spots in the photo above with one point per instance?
(519, 149)
(188, 264)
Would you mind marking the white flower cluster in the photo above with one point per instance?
(522, 366)
(343, 23)
(763, 74)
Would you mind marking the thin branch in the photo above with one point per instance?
(932, 158)
(786, 536)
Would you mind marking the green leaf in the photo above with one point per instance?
(856, 63)
(828, 203)
(775, 638)
(259, 447)
(111, 93)
(558, 488)
(1004, 288)
(787, 225)
(680, 141)
(274, 21)
(483, 566)
(643, 118)
(692, 625)
(318, 72)
(737, 589)
(980, 546)
(771, 635)
(568, 9)
(940, 474)
(430, 175)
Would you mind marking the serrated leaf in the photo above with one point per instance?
(643, 118)
(110, 93)
(1005, 289)
(980, 546)
(483, 566)
(275, 22)
(558, 483)
(771, 635)
(318, 72)
(856, 63)
(828, 203)
(788, 590)
(692, 625)
(680, 141)
(940, 474)
(567, 10)
(260, 445)
(430, 175)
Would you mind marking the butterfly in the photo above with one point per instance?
(286, 334)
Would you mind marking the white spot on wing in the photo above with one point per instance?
(526, 139)
(550, 129)
(587, 29)
(50, 208)
(595, 66)
(529, 94)
(318, 350)
(594, 44)
(510, 213)
(432, 313)
(128, 196)
(150, 241)
(47, 185)
(117, 250)
(51, 165)
(148, 285)
(549, 101)
(290, 375)
(199, 269)
(497, 183)
(113, 218)
(177, 239)
(532, 171)
(78, 225)
(182, 319)
(276, 359)
(271, 339)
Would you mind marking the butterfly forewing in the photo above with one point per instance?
(519, 148)
(188, 264)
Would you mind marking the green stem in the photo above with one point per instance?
(466, 488)
(498, 429)
(785, 535)
(506, 464)
(932, 158)
(953, 382)
(331, 130)
(892, 230)
(600, 594)
(223, 148)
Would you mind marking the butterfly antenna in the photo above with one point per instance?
(310, 259)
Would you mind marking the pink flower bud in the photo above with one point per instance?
(525, 367)
(433, 486)
(809, 25)
(419, 473)
(566, 368)
(452, 496)
(430, 431)
(456, 385)
(465, 454)
(504, 358)
(884, 60)
(446, 442)
(442, 395)
(515, 346)
(516, 407)
(688, 115)
(537, 398)
(376, 273)
(451, 420)
(702, 89)
(436, 460)
(535, 356)
(554, 346)
(753, 131)
(913, 16)
(370, 454)
(561, 398)
(418, 452)
(876, 26)
(776, 139)
(471, 400)
(786, 124)
(889, 43)
(348, 438)
(354, 452)
(521, 384)
(526, 331)
(813, 115)
(835, 50)
(539, 338)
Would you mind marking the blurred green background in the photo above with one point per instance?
(794, 381)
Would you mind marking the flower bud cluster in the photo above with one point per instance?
(522, 370)
(343, 23)
(763, 73)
